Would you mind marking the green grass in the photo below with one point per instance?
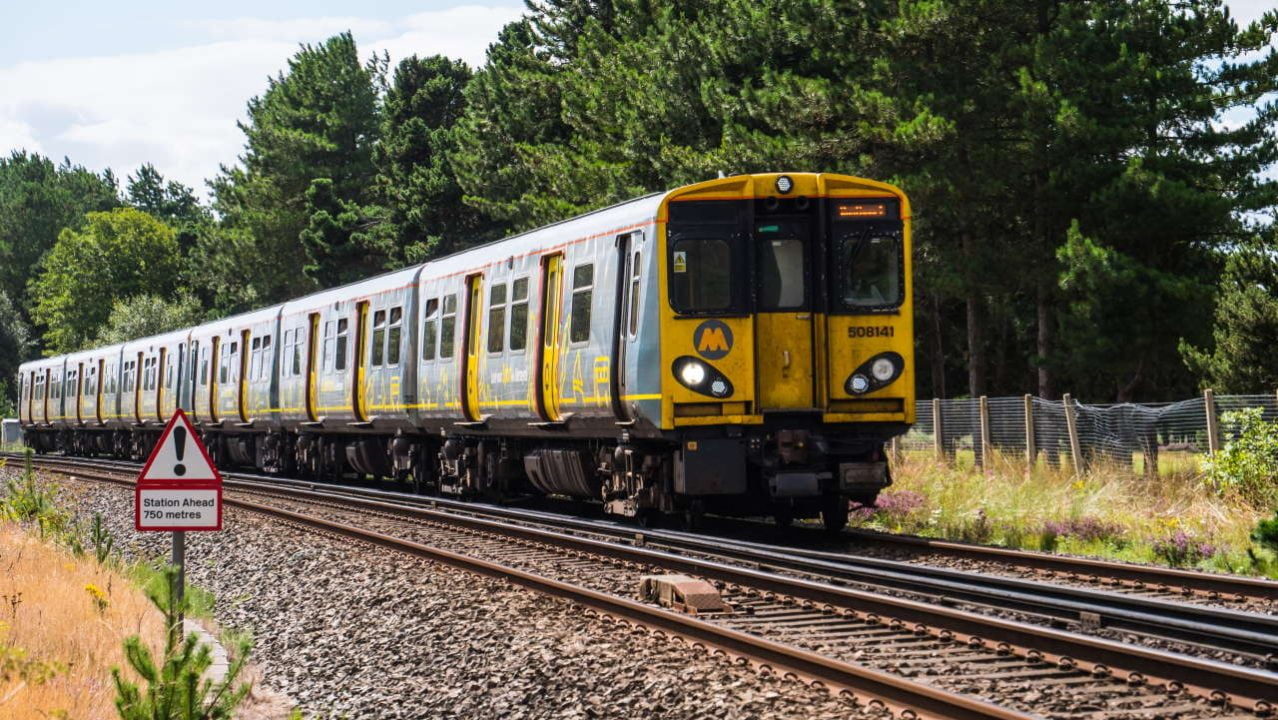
(1109, 511)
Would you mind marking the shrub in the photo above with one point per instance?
(175, 689)
(1248, 463)
(1182, 549)
(1266, 533)
(28, 501)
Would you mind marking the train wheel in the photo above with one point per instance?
(834, 513)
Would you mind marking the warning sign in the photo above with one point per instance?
(179, 487)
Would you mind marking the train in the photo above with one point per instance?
(740, 346)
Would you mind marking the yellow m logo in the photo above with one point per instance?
(712, 341)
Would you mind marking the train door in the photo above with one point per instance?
(552, 283)
(216, 360)
(622, 325)
(242, 380)
(98, 381)
(79, 393)
(160, 376)
(473, 335)
(194, 384)
(137, 390)
(312, 369)
(359, 395)
(784, 325)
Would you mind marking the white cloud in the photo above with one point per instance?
(178, 108)
(1245, 11)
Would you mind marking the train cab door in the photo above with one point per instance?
(785, 361)
(359, 395)
(474, 338)
(623, 321)
(549, 336)
(312, 368)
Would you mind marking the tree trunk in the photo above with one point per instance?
(1046, 382)
(938, 351)
(975, 346)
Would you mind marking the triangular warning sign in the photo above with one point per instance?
(179, 456)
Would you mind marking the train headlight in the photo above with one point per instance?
(700, 376)
(693, 374)
(882, 369)
(784, 184)
(877, 372)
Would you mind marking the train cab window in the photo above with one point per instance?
(701, 275)
(519, 314)
(635, 272)
(343, 334)
(868, 271)
(430, 330)
(394, 332)
(583, 283)
(780, 266)
(497, 318)
(379, 338)
(447, 326)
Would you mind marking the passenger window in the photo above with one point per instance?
(583, 279)
(264, 364)
(379, 337)
(255, 360)
(429, 328)
(447, 324)
(497, 318)
(328, 345)
(286, 367)
(235, 362)
(701, 275)
(634, 294)
(519, 314)
(393, 332)
(297, 352)
(168, 375)
(339, 358)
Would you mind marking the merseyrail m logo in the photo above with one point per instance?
(713, 339)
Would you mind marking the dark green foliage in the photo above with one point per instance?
(415, 180)
(1266, 533)
(1246, 325)
(172, 686)
(170, 201)
(119, 254)
(145, 315)
(316, 123)
(102, 539)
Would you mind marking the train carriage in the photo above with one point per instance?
(742, 345)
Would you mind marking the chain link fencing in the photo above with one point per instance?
(1073, 433)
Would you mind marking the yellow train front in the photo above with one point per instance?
(786, 346)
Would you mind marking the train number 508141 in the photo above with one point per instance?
(871, 332)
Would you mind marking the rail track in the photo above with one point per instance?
(811, 624)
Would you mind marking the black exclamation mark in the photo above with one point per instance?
(179, 447)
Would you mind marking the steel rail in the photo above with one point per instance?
(1224, 683)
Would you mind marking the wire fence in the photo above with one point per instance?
(1066, 431)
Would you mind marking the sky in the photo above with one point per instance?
(118, 84)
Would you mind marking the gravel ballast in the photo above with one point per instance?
(349, 630)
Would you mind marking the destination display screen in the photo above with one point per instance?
(863, 209)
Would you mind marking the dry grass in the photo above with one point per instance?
(1108, 511)
(64, 639)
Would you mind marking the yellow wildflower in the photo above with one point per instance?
(99, 597)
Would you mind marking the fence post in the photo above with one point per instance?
(1075, 450)
(1213, 430)
(938, 430)
(1031, 446)
(896, 450)
(983, 459)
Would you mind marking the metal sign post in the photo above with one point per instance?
(178, 490)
